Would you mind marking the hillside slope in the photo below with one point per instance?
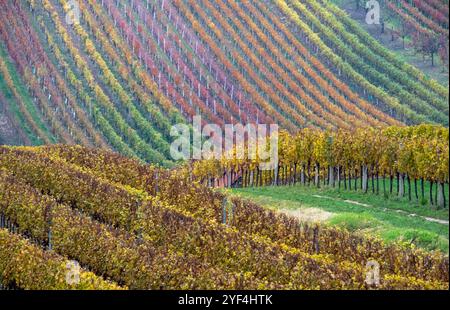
(130, 69)
(407, 29)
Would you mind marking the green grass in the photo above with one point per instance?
(355, 221)
(386, 217)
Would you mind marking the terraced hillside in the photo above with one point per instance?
(140, 227)
(128, 70)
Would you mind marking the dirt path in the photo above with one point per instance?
(312, 215)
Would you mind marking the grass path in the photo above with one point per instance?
(392, 219)
(430, 219)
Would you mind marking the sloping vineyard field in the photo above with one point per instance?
(142, 227)
(127, 70)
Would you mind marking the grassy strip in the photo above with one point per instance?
(378, 216)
